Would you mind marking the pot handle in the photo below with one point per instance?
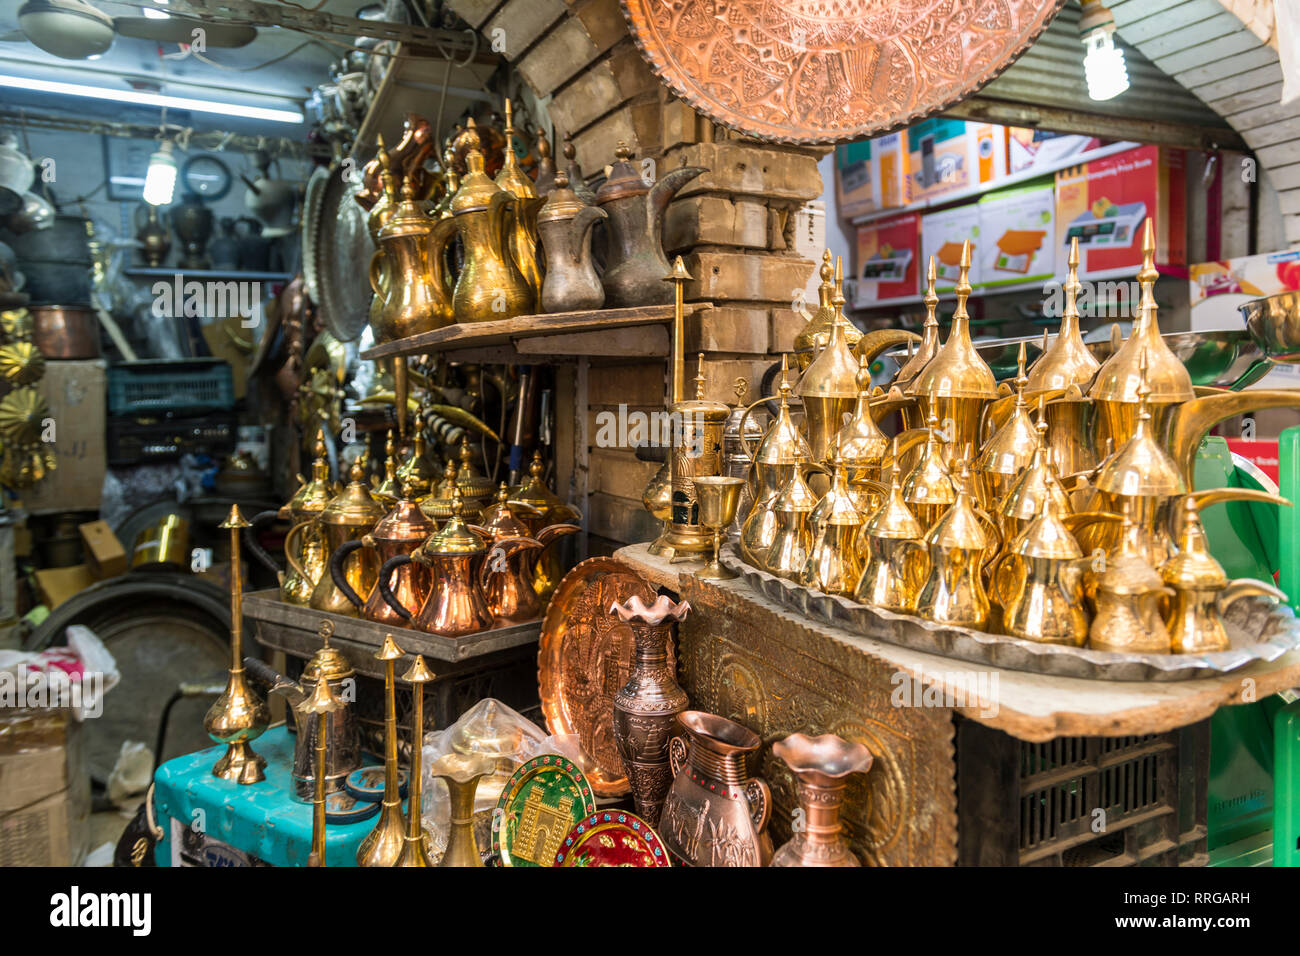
(260, 520)
(376, 271)
(336, 570)
(386, 592)
(290, 549)
(744, 420)
(677, 751)
(760, 802)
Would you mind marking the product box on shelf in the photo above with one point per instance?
(1037, 149)
(888, 259)
(1018, 232)
(1104, 203)
(946, 155)
(75, 393)
(942, 235)
(871, 175)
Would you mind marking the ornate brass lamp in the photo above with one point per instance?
(383, 845)
(414, 852)
(238, 715)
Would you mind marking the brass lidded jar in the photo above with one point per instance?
(829, 386)
(1129, 595)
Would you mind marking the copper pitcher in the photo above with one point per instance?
(715, 814)
(508, 574)
(635, 265)
(401, 531)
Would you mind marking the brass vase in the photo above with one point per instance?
(461, 773)
(644, 710)
(822, 765)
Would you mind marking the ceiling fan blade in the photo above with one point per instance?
(14, 36)
(180, 29)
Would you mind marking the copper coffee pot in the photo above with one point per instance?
(635, 263)
(895, 556)
(1201, 590)
(508, 573)
(351, 514)
(456, 604)
(401, 531)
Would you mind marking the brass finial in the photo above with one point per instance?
(621, 151)
(699, 378)
(235, 519)
(1021, 379)
(963, 289)
(325, 630)
(419, 672)
(784, 387)
(390, 651)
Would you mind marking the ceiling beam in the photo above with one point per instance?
(983, 109)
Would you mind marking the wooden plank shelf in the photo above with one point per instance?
(533, 337)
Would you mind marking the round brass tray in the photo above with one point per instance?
(1258, 630)
(584, 657)
(822, 71)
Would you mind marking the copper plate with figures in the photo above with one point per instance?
(585, 657)
(612, 838)
(545, 799)
(823, 71)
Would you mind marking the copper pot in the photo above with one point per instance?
(65, 331)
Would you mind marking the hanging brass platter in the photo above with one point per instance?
(585, 657)
(343, 252)
(823, 71)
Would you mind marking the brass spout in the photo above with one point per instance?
(1186, 424)
(872, 344)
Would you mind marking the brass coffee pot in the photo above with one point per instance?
(1201, 590)
(928, 489)
(490, 285)
(957, 382)
(788, 554)
(833, 563)
(456, 604)
(635, 264)
(565, 224)
(400, 531)
(388, 492)
(312, 554)
(347, 518)
(896, 559)
(778, 456)
(816, 334)
(862, 446)
(523, 223)
(407, 269)
(509, 571)
(1037, 487)
(1040, 584)
(547, 509)
(960, 544)
(1129, 595)
(927, 350)
(829, 387)
(1010, 449)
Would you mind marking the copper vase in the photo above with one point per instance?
(822, 765)
(644, 710)
(715, 813)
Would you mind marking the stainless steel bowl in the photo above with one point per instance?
(1274, 324)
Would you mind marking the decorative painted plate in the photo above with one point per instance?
(584, 657)
(343, 808)
(366, 784)
(545, 798)
(823, 71)
(612, 838)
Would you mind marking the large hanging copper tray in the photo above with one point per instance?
(823, 71)
(584, 657)
(343, 252)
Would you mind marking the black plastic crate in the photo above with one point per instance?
(170, 387)
(137, 441)
(1082, 801)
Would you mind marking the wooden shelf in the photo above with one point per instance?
(534, 338)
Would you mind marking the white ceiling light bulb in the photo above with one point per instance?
(160, 180)
(153, 14)
(1103, 62)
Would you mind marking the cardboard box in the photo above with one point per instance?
(1104, 202)
(1036, 149)
(75, 392)
(104, 554)
(945, 155)
(888, 259)
(942, 235)
(56, 585)
(1018, 228)
(44, 789)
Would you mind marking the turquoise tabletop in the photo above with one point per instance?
(259, 820)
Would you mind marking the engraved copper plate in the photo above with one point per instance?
(584, 657)
(822, 71)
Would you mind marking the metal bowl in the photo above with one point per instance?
(1274, 324)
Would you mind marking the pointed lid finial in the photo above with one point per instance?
(390, 651)
(419, 672)
(235, 519)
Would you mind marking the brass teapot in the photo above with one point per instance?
(635, 265)
(1039, 584)
(775, 461)
(523, 224)
(565, 224)
(815, 335)
(310, 552)
(833, 563)
(895, 567)
(960, 544)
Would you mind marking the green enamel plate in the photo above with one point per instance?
(546, 798)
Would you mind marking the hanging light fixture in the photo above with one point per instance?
(160, 180)
(1103, 61)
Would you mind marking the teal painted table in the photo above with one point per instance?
(260, 819)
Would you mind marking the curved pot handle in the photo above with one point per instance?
(760, 802)
(290, 550)
(337, 560)
(261, 519)
(386, 575)
(677, 751)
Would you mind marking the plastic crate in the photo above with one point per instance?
(173, 387)
(135, 442)
(1082, 801)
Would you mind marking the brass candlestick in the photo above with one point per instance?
(383, 845)
(321, 704)
(461, 773)
(718, 497)
(414, 852)
(238, 715)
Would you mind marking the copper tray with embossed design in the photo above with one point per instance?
(584, 657)
(823, 71)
